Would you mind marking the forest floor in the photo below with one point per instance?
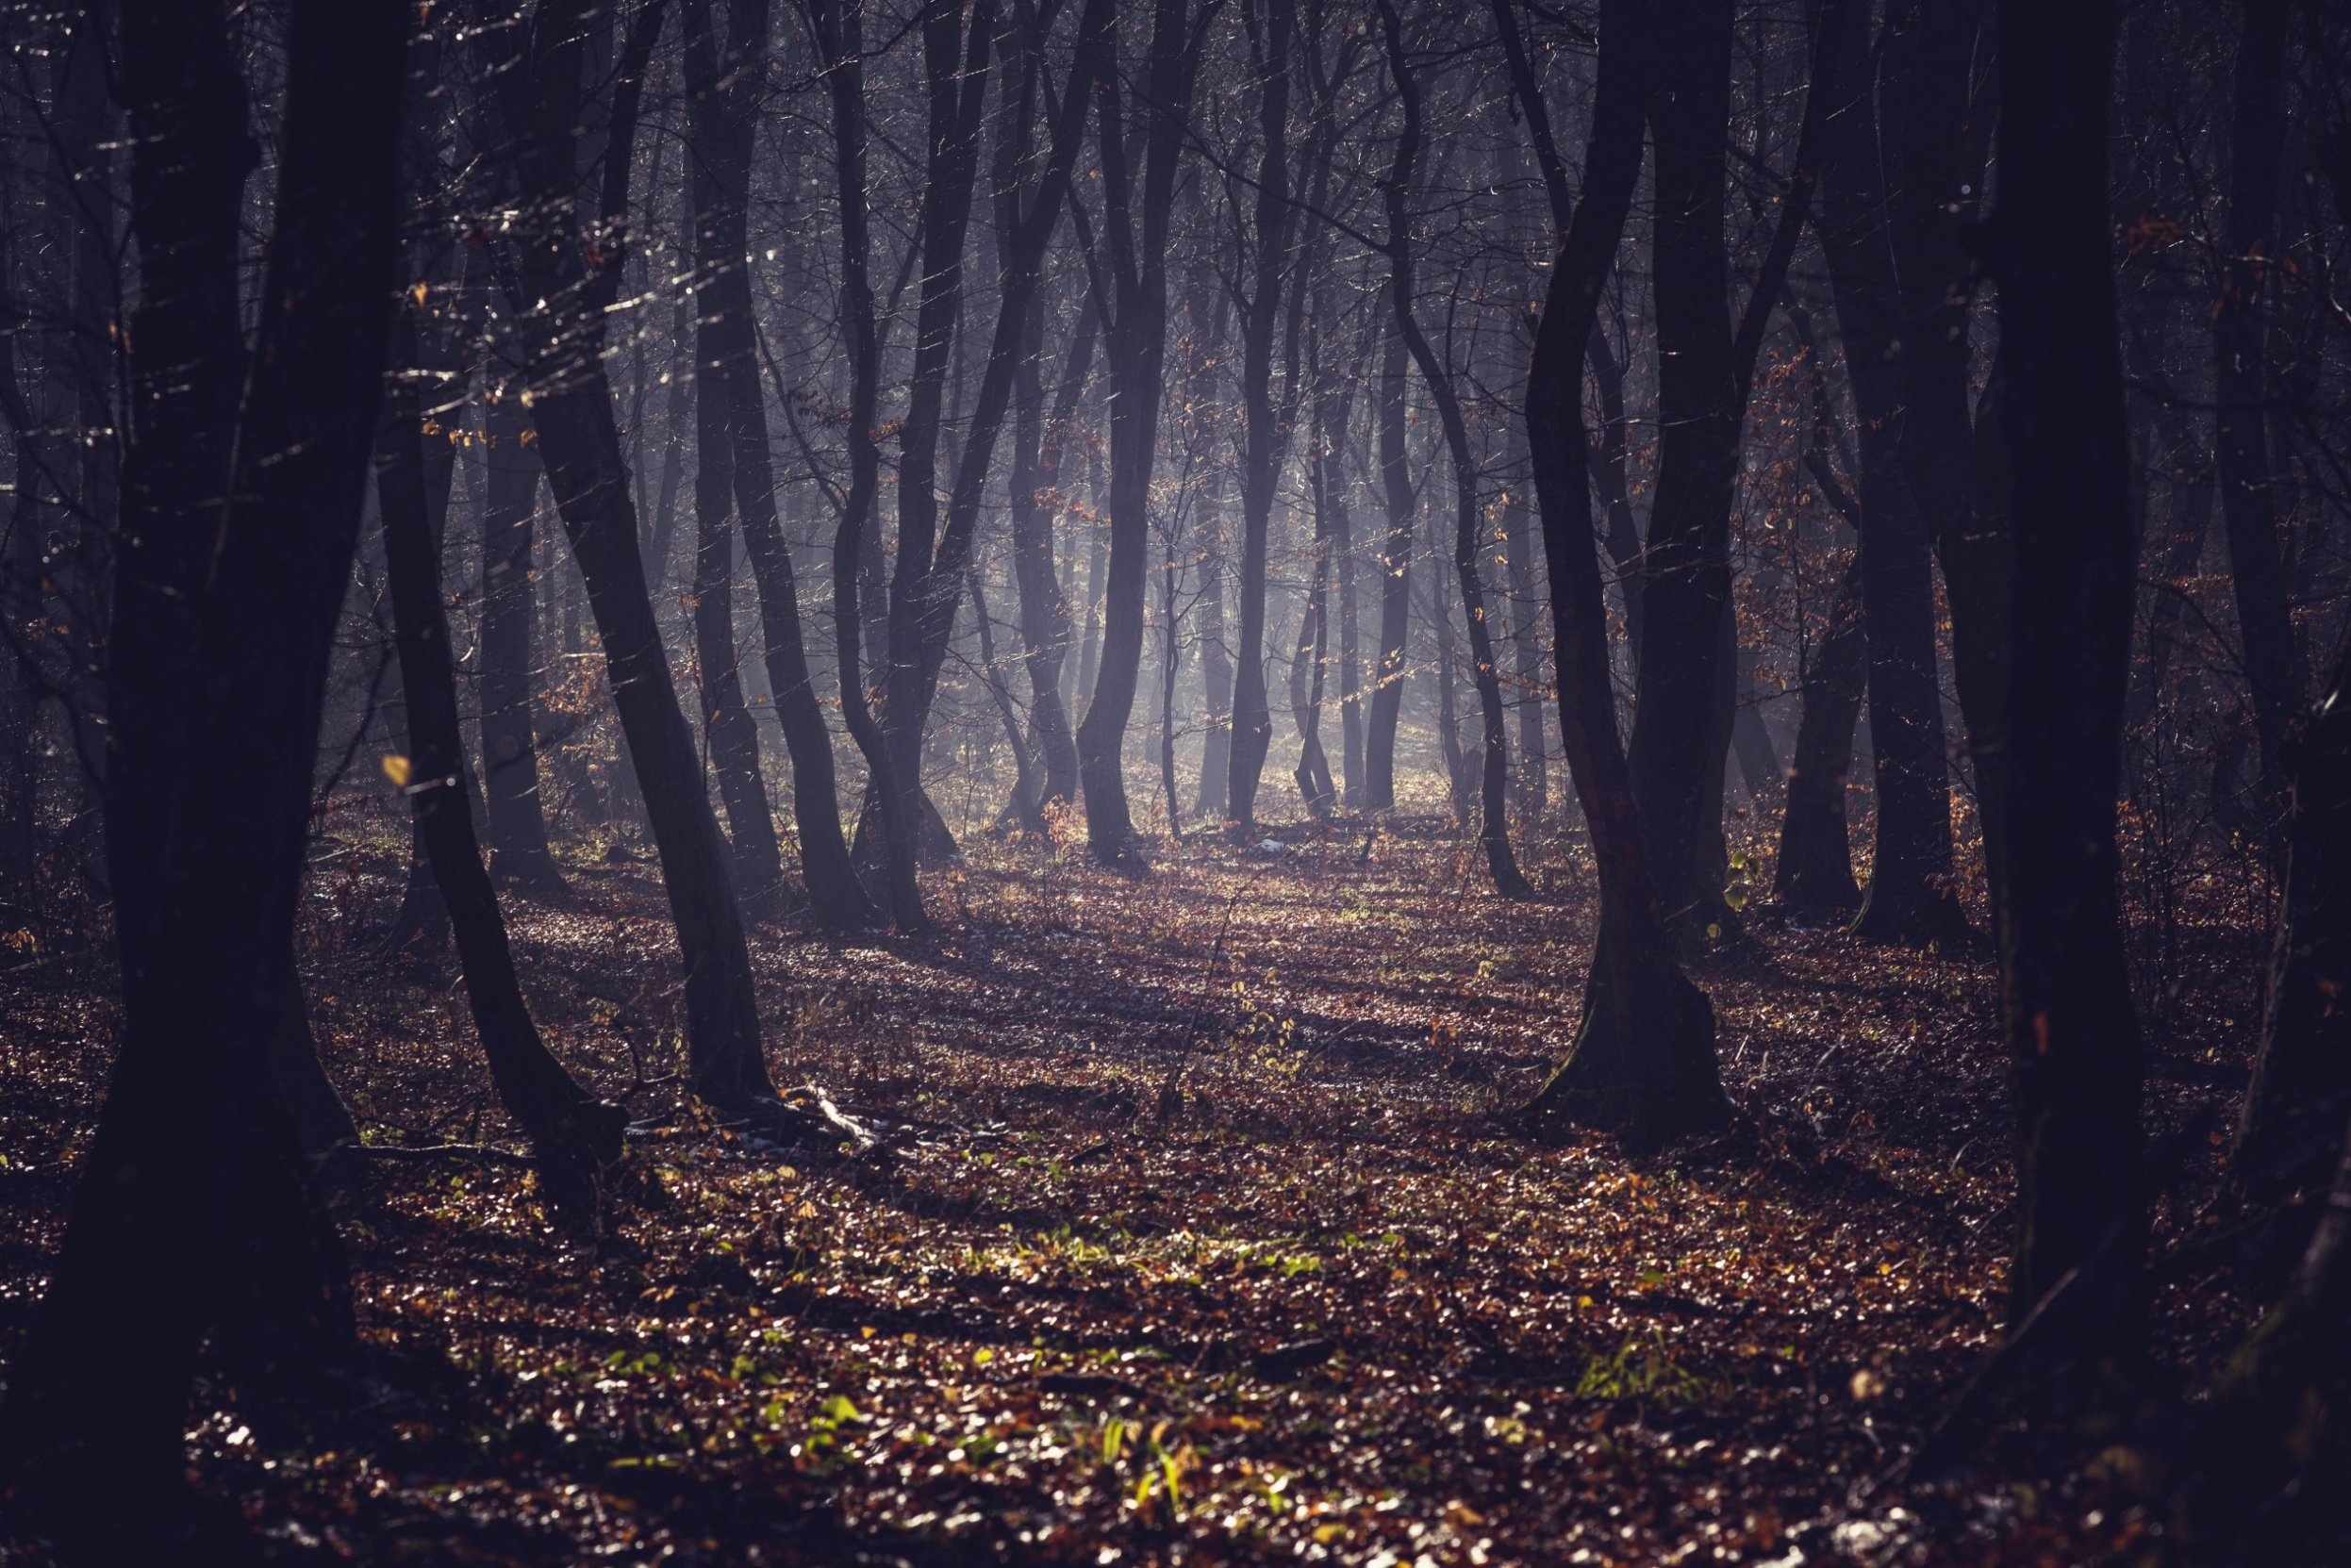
(1201, 1234)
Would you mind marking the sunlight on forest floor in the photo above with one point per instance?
(1205, 1235)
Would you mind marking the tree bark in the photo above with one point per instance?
(724, 82)
(1493, 772)
(188, 1210)
(1642, 1060)
(1136, 346)
(1263, 441)
(1910, 899)
(576, 270)
(2241, 418)
(1686, 568)
(575, 1136)
(517, 825)
(1395, 556)
(2067, 996)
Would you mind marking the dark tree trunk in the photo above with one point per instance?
(1620, 533)
(1910, 896)
(575, 1136)
(724, 85)
(956, 71)
(1813, 879)
(1264, 442)
(2269, 1447)
(1039, 449)
(1526, 599)
(2066, 995)
(1216, 658)
(517, 825)
(2241, 388)
(1642, 1060)
(189, 1213)
(1940, 133)
(1395, 556)
(2287, 1134)
(1136, 346)
(931, 564)
(1494, 770)
(1686, 568)
(572, 409)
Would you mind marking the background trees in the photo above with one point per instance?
(1786, 329)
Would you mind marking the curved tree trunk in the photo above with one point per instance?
(2241, 419)
(576, 1137)
(723, 85)
(1265, 441)
(1136, 345)
(572, 411)
(1642, 1060)
(1494, 770)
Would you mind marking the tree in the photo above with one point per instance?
(189, 1182)
(562, 276)
(1494, 831)
(2072, 1036)
(1642, 1060)
(1265, 436)
(1136, 344)
(723, 81)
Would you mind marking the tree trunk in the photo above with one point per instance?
(572, 409)
(2241, 419)
(1941, 135)
(1395, 556)
(1136, 345)
(2065, 989)
(1813, 879)
(1686, 568)
(1044, 603)
(188, 1209)
(1910, 897)
(575, 1136)
(1216, 662)
(1493, 772)
(1264, 442)
(517, 823)
(1642, 1060)
(724, 83)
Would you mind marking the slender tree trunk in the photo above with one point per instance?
(1396, 554)
(517, 823)
(723, 85)
(1136, 345)
(1264, 442)
(1044, 607)
(1524, 597)
(1642, 1060)
(1216, 658)
(1813, 879)
(575, 1136)
(572, 410)
(2065, 987)
(1910, 896)
(1939, 132)
(2248, 503)
(1494, 773)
